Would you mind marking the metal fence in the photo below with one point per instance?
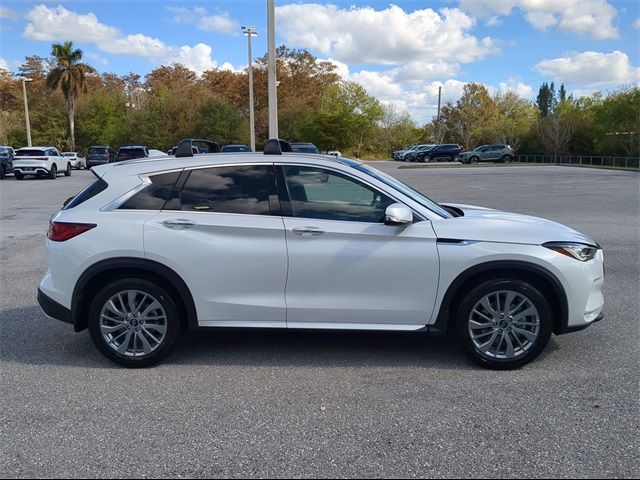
(621, 162)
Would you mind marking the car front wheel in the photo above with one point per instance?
(504, 324)
(2, 172)
(134, 322)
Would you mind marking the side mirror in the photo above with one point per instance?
(398, 214)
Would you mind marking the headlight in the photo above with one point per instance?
(579, 251)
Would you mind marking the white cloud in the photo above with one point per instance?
(494, 21)
(219, 22)
(8, 14)
(587, 17)
(3, 64)
(591, 69)
(514, 84)
(59, 24)
(636, 24)
(222, 23)
(388, 37)
(97, 58)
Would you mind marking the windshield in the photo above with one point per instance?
(97, 150)
(69, 154)
(4, 150)
(402, 187)
(30, 153)
(131, 153)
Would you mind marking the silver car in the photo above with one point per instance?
(489, 153)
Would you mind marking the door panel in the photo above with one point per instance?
(226, 240)
(347, 269)
(360, 273)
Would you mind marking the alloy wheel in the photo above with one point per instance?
(133, 323)
(504, 325)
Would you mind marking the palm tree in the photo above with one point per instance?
(68, 75)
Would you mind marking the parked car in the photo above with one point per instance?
(448, 152)
(40, 162)
(335, 153)
(99, 155)
(131, 152)
(6, 161)
(417, 153)
(153, 152)
(304, 148)
(172, 152)
(236, 148)
(77, 161)
(399, 155)
(489, 153)
(299, 241)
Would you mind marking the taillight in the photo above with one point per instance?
(62, 231)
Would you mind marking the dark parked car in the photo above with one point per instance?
(417, 153)
(99, 155)
(131, 152)
(6, 161)
(304, 148)
(448, 152)
(236, 148)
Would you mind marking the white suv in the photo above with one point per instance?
(40, 161)
(307, 241)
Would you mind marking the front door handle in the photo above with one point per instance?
(307, 231)
(179, 224)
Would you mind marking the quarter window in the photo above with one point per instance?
(238, 189)
(154, 196)
(323, 194)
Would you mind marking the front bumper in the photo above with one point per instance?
(53, 309)
(578, 328)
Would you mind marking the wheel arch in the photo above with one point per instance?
(542, 278)
(100, 273)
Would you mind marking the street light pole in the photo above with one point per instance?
(26, 107)
(251, 32)
(273, 94)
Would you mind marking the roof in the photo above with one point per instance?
(35, 148)
(158, 164)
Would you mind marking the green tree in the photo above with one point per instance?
(68, 75)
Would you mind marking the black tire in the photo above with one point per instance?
(521, 287)
(53, 174)
(3, 172)
(173, 323)
(474, 160)
(507, 159)
(18, 175)
(67, 172)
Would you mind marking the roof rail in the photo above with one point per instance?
(276, 146)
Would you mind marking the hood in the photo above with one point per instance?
(487, 225)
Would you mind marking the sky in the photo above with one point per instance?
(401, 52)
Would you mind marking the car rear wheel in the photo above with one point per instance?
(3, 172)
(53, 174)
(474, 160)
(507, 159)
(134, 322)
(18, 175)
(67, 172)
(504, 324)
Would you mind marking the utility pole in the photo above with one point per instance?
(273, 93)
(251, 32)
(439, 101)
(26, 107)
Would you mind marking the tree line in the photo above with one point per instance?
(73, 107)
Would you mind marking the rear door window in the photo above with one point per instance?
(155, 195)
(242, 189)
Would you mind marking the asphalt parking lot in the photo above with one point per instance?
(255, 404)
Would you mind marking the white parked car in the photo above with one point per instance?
(335, 153)
(40, 161)
(78, 162)
(306, 241)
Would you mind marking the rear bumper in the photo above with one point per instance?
(53, 309)
(31, 170)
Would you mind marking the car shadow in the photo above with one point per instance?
(29, 337)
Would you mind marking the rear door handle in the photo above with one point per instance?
(179, 224)
(307, 231)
